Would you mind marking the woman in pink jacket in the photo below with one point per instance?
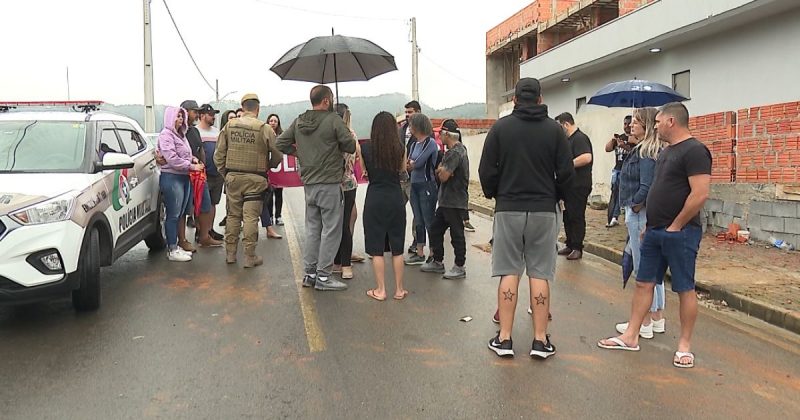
(174, 181)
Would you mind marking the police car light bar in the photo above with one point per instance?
(84, 106)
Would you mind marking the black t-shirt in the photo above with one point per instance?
(620, 154)
(580, 144)
(670, 187)
(195, 141)
(455, 192)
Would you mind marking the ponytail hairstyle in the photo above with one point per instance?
(344, 111)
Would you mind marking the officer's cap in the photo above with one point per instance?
(249, 96)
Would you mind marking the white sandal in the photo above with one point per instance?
(680, 355)
(619, 345)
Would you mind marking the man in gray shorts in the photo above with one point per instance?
(526, 166)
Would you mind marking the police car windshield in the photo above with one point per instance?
(41, 146)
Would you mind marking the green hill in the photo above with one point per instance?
(363, 110)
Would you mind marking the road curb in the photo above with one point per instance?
(780, 317)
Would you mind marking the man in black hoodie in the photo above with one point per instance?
(525, 166)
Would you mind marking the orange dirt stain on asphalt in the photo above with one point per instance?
(664, 379)
(427, 351)
(179, 284)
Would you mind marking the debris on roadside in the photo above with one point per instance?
(466, 319)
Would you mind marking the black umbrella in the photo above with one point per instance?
(334, 58)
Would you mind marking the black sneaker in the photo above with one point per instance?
(216, 235)
(543, 350)
(412, 249)
(309, 281)
(502, 348)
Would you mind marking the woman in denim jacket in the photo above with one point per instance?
(636, 177)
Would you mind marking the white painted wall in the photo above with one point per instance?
(754, 64)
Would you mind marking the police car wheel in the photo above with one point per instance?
(156, 241)
(87, 296)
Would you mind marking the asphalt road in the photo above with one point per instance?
(207, 340)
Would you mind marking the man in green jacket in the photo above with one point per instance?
(318, 137)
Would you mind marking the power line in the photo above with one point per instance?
(448, 71)
(317, 12)
(187, 47)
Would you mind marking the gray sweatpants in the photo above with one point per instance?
(324, 212)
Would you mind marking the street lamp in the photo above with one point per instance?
(227, 94)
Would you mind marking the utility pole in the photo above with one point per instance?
(68, 95)
(414, 61)
(149, 101)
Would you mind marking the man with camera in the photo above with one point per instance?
(619, 145)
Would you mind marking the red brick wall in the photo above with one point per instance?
(466, 124)
(718, 133)
(627, 6)
(768, 144)
(520, 20)
(759, 145)
(532, 14)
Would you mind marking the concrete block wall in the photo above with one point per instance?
(754, 208)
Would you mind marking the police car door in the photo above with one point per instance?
(116, 180)
(141, 180)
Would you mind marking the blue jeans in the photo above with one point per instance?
(613, 204)
(636, 223)
(674, 250)
(175, 191)
(423, 205)
(266, 215)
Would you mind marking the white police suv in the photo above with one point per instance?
(77, 190)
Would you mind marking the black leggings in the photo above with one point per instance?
(346, 245)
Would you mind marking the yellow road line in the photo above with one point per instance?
(314, 335)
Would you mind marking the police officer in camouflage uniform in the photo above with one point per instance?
(244, 148)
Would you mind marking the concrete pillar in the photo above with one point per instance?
(495, 84)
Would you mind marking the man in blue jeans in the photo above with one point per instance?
(672, 235)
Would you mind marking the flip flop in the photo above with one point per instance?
(371, 293)
(619, 345)
(401, 297)
(680, 355)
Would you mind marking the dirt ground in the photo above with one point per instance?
(759, 271)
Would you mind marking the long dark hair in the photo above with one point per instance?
(225, 116)
(387, 151)
(278, 130)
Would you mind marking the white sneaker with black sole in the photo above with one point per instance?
(502, 348)
(542, 350)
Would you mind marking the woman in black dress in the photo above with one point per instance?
(384, 211)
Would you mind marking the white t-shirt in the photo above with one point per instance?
(208, 135)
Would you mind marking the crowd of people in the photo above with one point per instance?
(529, 164)
(536, 168)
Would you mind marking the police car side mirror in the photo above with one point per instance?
(114, 161)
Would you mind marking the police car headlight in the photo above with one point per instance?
(54, 210)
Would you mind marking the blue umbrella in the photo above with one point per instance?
(635, 94)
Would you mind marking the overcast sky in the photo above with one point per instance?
(236, 41)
